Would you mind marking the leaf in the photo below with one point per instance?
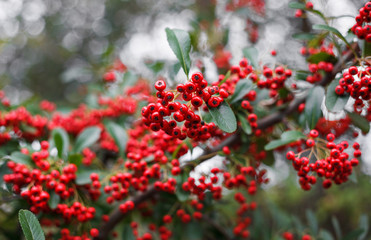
(225, 78)
(363, 224)
(322, 56)
(83, 175)
(366, 51)
(333, 101)
(251, 53)
(325, 235)
(21, 158)
(75, 159)
(30, 225)
(312, 220)
(304, 36)
(54, 200)
(245, 125)
(353, 235)
(224, 117)
(87, 138)
(156, 67)
(243, 87)
(119, 135)
(180, 43)
(297, 5)
(359, 122)
(61, 141)
(313, 106)
(333, 30)
(336, 225)
(129, 79)
(286, 138)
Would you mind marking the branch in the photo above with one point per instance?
(263, 123)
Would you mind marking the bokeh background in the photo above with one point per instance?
(53, 49)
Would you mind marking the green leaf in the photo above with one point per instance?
(333, 101)
(179, 192)
(156, 67)
(75, 159)
(313, 106)
(245, 125)
(83, 175)
(21, 158)
(61, 141)
(363, 224)
(366, 51)
(359, 122)
(243, 87)
(304, 36)
(297, 5)
(312, 221)
(336, 225)
(224, 117)
(251, 53)
(129, 79)
(87, 138)
(54, 200)
(322, 56)
(180, 43)
(119, 135)
(332, 30)
(225, 78)
(286, 138)
(30, 225)
(353, 235)
(325, 235)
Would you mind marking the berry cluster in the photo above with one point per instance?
(362, 28)
(335, 166)
(165, 114)
(357, 82)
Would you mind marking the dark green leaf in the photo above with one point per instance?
(251, 53)
(359, 122)
(224, 117)
(61, 141)
(335, 102)
(53, 200)
(245, 125)
(243, 87)
(87, 138)
(312, 221)
(336, 225)
(363, 224)
(118, 133)
(75, 159)
(21, 158)
(322, 56)
(30, 225)
(366, 51)
(333, 30)
(304, 36)
(313, 106)
(180, 43)
(286, 138)
(353, 235)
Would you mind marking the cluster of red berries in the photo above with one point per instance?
(66, 235)
(22, 123)
(314, 69)
(163, 231)
(167, 112)
(257, 5)
(356, 82)
(47, 106)
(299, 12)
(336, 167)
(337, 127)
(362, 28)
